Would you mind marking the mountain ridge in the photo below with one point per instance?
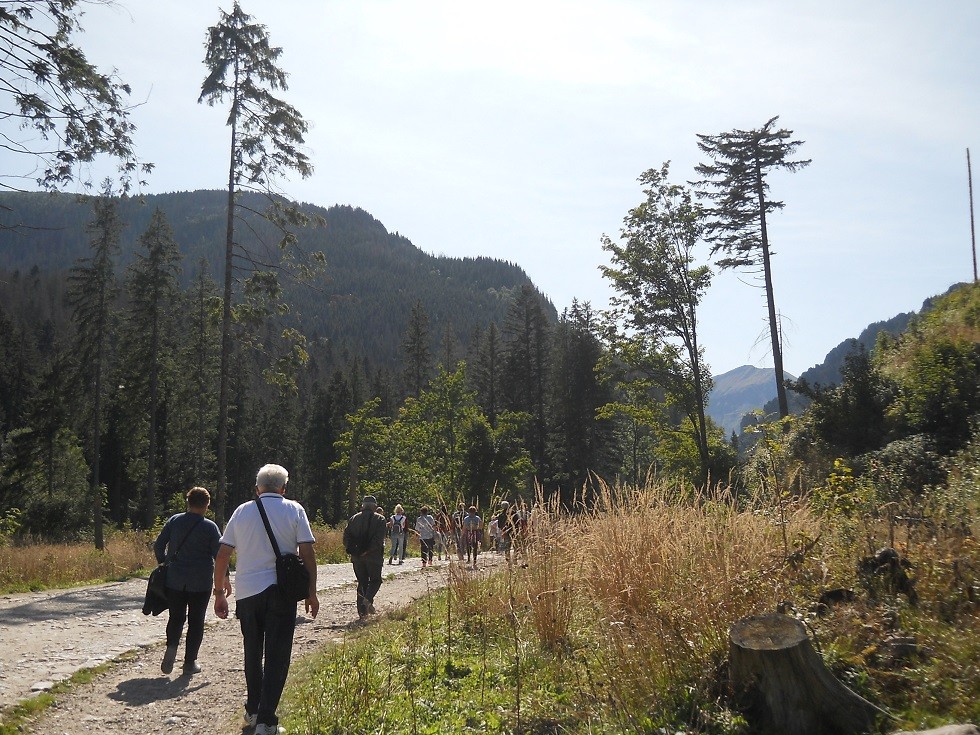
(360, 304)
(740, 391)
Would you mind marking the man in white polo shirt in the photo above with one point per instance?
(267, 617)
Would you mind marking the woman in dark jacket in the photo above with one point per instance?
(188, 543)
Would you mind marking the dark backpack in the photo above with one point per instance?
(358, 545)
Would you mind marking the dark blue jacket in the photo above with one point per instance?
(192, 570)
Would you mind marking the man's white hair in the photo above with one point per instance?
(272, 477)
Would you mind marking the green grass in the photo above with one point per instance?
(619, 624)
(405, 675)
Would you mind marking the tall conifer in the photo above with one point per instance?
(735, 183)
(267, 137)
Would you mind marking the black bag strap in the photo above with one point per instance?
(186, 536)
(268, 529)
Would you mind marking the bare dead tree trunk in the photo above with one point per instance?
(789, 688)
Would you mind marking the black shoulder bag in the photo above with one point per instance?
(291, 575)
(156, 585)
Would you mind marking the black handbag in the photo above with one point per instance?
(292, 577)
(156, 599)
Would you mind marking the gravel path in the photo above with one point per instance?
(45, 637)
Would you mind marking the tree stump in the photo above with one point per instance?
(788, 687)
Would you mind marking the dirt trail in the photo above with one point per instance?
(46, 637)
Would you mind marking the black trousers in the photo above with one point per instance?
(192, 607)
(268, 622)
(368, 571)
(427, 544)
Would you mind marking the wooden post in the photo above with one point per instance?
(788, 687)
(973, 232)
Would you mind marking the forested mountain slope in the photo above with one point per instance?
(828, 372)
(360, 304)
(738, 392)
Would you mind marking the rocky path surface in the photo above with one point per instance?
(46, 637)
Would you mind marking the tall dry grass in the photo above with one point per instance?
(644, 584)
(37, 566)
(40, 566)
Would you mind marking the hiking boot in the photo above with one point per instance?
(191, 668)
(250, 720)
(167, 665)
(263, 729)
(370, 608)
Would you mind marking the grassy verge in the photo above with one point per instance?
(39, 566)
(619, 621)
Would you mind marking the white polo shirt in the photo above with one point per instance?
(255, 570)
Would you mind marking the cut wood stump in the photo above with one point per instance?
(787, 685)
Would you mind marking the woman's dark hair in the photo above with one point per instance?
(198, 497)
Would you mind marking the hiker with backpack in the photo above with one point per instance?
(364, 541)
(398, 525)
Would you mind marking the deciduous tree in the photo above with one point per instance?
(659, 287)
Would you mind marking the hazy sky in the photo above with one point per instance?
(518, 129)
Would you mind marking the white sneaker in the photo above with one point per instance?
(261, 729)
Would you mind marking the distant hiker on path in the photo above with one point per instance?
(472, 535)
(188, 544)
(457, 528)
(266, 615)
(399, 535)
(425, 527)
(506, 527)
(364, 540)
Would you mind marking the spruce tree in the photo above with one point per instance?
(418, 354)
(92, 292)
(75, 111)
(152, 288)
(266, 143)
(734, 181)
(526, 352)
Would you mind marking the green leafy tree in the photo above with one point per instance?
(735, 183)
(365, 444)
(654, 318)
(495, 462)
(92, 291)
(58, 110)
(152, 288)
(267, 137)
(939, 392)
